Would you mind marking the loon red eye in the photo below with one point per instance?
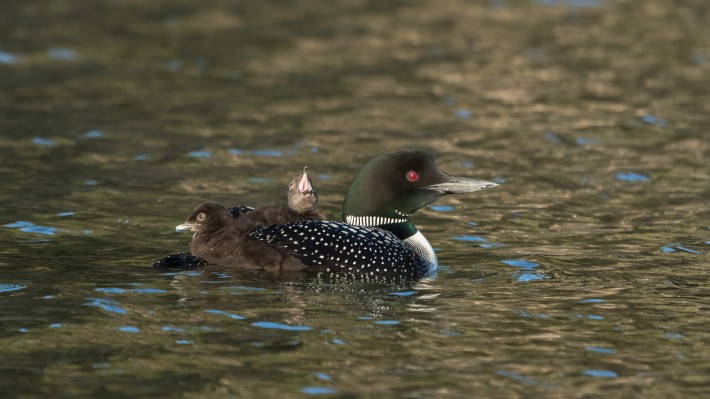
(412, 175)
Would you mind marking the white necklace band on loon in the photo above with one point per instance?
(371, 220)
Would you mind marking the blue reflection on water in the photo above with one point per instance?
(260, 153)
(5, 287)
(652, 120)
(442, 208)
(129, 329)
(525, 277)
(242, 288)
(403, 293)
(112, 290)
(468, 238)
(462, 113)
(105, 304)
(688, 250)
(200, 154)
(491, 245)
(323, 376)
(674, 335)
(222, 312)
(28, 227)
(257, 179)
(631, 177)
(7, 58)
(268, 153)
(592, 300)
(677, 247)
(148, 290)
(387, 322)
(597, 349)
(93, 134)
(534, 315)
(317, 390)
(41, 141)
(516, 377)
(600, 373)
(279, 326)
(525, 264)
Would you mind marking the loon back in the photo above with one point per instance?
(341, 248)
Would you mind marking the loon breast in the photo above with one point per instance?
(343, 248)
(426, 253)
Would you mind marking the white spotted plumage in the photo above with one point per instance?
(347, 248)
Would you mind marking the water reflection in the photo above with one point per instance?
(586, 273)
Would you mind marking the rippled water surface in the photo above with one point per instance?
(583, 275)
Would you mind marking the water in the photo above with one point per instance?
(583, 275)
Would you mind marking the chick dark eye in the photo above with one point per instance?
(201, 217)
(412, 176)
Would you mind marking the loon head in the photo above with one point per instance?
(208, 216)
(301, 195)
(391, 187)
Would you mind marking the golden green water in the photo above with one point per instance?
(583, 275)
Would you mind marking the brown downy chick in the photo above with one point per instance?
(221, 234)
(221, 240)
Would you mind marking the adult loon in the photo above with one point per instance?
(378, 237)
(220, 232)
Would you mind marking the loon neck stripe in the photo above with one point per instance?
(372, 220)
